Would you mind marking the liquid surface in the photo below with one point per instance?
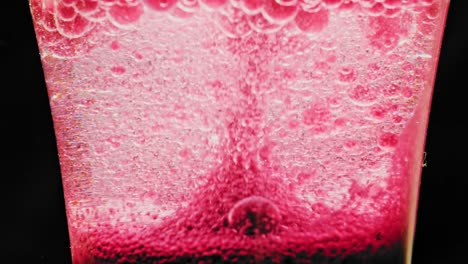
(240, 131)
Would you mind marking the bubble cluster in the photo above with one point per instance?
(63, 26)
(236, 130)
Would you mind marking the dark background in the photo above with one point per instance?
(32, 209)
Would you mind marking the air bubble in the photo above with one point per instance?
(347, 5)
(188, 5)
(379, 111)
(118, 70)
(347, 74)
(179, 13)
(69, 2)
(363, 95)
(277, 13)
(311, 5)
(392, 3)
(312, 22)
(388, 140)
(331, 3)
(75, 28)
(260, 24)
(87, 6)
(160, 5)
(392, 12)
(115, 45)
(254, 215)
(239, 27)
(407, 92)
(65, 13)
(251, 6)
(432, 11)
(124, 15)
(391, 90)
(376, 9)
(316, 115)
(367, 3)
(287, 2)
(213, 4)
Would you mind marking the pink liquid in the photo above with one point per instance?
(240, 131)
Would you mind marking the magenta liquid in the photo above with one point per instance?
(240, 131)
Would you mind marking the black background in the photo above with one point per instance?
(32, 209)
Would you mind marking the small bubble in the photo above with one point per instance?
(185, 153)
(391, 90)
(261, 24)
(432, 11)
(293, 124)
(407, 92)
(340, 122)
(118, 69)
(347, 74)
(388, 140)
(397, 119)
(251, 6)
(332, 3)
(138, 56)
(301, 177)
(316, 114)
(363, 95)
(350, 143)
(379, 111)
(115, 45)
(376, 9)
(392, 3)
(214, 4)
(160, 5)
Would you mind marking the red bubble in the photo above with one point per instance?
(188, 5)
(397, 119)
(118, 69)
(347, 74)
(160, 5)
(315, 115)
(214, 3)
(68, 2)
(388, 140)
(65, 12)
(376, 9)
(125, 15)
(363, 94)
(391, 12)
(115, 45)
(379, 111)
(252, 5)
(74, 28)
(407, 92)
(87, 6)
(260, 24)
(347, 5)
(312, 22)
(391, 90)
(332, 3)
(392, 3)
(180, 13)
(278, 13)
(432, 11)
